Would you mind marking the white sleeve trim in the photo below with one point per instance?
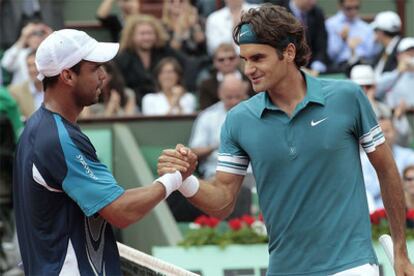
(38, 178)
(232, 164)
(373, 138)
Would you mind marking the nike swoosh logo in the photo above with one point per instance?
(243, 33)
(318, 122)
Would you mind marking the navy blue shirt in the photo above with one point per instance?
(59, 188)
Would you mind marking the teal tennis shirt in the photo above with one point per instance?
(308, 173)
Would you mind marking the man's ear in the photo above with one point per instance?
(290, 52)
(68, 77)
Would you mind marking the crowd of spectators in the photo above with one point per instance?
(176, 63)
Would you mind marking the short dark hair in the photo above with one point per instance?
(51, 81)
(276, 26)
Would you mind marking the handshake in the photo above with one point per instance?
(175, 167)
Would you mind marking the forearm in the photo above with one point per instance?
(393, 198)
(133, 205)
(392, 195)
(214, 199)
(104, 9)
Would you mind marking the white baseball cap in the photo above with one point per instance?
(405, 44)
(387, 21)
(363, 74)
(65, 48)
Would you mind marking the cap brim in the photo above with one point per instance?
(374, 25)
(103, 52)
(364, 82)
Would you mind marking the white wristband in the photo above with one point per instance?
(171, 182)
(190, 186)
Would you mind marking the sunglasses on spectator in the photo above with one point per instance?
(222, 59)
(350, 8)
(409, 178)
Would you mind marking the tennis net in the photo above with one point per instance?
(134, 262)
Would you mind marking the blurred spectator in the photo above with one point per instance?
(225, 61)
(219, 24)
(186, 31)
(143, 45)
(14, 15)
(205, 138)
(182, 23)
(111, 21)
(313, 18)
(206, 7)
(403, 158)
(28, 94)
(387, 27)
(396, 87)
(172, 97)
(115, 99)
(350, 39)
(14, 59)
(364, 75)
(9, 22)
(408, 180)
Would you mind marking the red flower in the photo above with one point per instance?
(410, 214)
(235, 224)
(202, 220)
(378, 215)
(260, 217)
(249, 220)
(212, 222)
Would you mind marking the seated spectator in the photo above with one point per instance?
(115, 99)
(219, 24)
(184, 26)
(395, 87)
(171, 97)
(14, 58)
(112, 22)
(387, 27)
(28, 94)
(364, 76)
(225, 61)
(313, 18)
(403, 158)
(350, 39)
(143, 45)
(205, 136)
(408, 180)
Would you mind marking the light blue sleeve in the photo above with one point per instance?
(367, 127)
(231, 157)
(88, 183)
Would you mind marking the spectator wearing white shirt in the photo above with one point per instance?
(14, 58)
(219, 24)
(172, 99)
(205, 136)
(403, 158)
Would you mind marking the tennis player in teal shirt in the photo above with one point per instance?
(302, 136)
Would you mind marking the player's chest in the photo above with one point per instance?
(314, 132)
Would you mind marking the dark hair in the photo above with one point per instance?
(275, 26)
(116, 82)
(177, 69)
(51, 81)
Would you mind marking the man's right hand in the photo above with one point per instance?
(180, 159)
